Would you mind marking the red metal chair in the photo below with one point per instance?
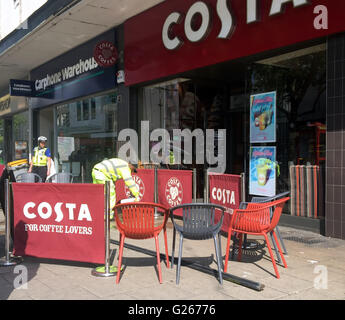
(256, 220)
(136, 220)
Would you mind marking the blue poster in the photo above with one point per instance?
(263, 117)
(262, 175)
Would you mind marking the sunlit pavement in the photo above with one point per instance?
(316, 270)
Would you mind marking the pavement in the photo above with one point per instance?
(316, 271)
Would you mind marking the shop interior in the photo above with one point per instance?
(218, 97)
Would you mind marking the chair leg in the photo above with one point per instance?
(158, 259)
(179, 260)
(275, 248)
(166, 248)
(220, 251)
(218, 259)
(173, 249)
(280, 250)
(227, 251)
(122, 242)
(239, 257)
(272, 257)
(281, 240)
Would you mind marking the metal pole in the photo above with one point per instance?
(8, 260)
(106, 271)
(243, 180)
(156, 215)
(156, 185)
(206, 187)
(194, 184)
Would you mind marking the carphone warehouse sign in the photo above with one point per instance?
(73, 74)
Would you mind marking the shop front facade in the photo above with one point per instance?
(269, 73)
(14, 128)
(79, 106)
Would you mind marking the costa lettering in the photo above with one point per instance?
(223, 195)
(45, 211)
(172, 41)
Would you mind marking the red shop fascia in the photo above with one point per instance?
(163, 41)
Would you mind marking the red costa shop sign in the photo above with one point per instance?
(225, 190)
(175, 187)
(182, 35)
(145, 181)
(59, 221)
(105, 54)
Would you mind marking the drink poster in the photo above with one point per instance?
(263, 117)
(262, 176)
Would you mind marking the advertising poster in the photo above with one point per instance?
(21, 149)
(262, 175)
(263, 117)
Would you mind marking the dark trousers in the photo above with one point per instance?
(41, 171)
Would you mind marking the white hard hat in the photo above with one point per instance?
(42, 138)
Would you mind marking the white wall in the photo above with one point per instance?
(14, 13)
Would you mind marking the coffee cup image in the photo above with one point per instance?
(262, 121)
(263, 173)
(263, 170)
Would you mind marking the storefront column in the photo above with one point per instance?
(335, 143)
(30, 143)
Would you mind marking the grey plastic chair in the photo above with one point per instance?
(243, 205)
(198, 223)
(28, 177)
(61, 177)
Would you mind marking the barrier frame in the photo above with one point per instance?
(9, 259)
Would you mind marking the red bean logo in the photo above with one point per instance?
(174, 192)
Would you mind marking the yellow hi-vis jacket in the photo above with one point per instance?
(114, 169)
(40, 159)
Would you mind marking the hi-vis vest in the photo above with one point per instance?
(114, 169)
(40, 159)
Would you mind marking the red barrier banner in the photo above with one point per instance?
(2, 168)
(59, 221)
(145, 180)
(225, 190)
(175, 187)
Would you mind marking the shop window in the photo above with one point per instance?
(78, 111)
(93, 108)
(21, 135)
(86, 113)
(87, 132)
(299, 78)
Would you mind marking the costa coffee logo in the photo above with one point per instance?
(224, 196)
(174, 192)
(105, 54)
(45, 210)
(140, 185)
(173, 41)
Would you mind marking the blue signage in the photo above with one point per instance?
(22, 88)
(72, 75)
